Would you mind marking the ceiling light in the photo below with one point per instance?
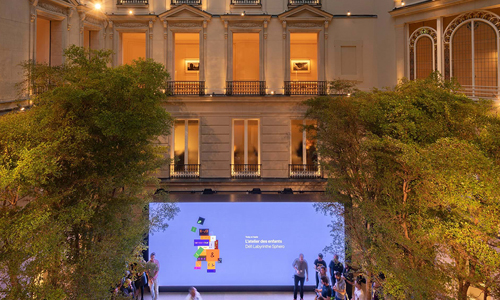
(97, 6)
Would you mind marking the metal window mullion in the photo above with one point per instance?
(245, 142)
(473, 23)
(304, 154)
(186, 142)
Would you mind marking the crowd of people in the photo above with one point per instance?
(333, 281)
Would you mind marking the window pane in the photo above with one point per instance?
(239, 142)
(462, 55)
(303, 56)
(485, 59)
(253, 141)
(42, 41)
(311, 146)
(187, 56)
(180, 141)
(297, 142)
(424, 57)
(133, 46)
(193, 141)
(246, 58)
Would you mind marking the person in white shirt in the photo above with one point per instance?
(359, 293)
(193, 294)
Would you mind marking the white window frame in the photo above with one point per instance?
(245, 139)
(186, 140)
(304, 141)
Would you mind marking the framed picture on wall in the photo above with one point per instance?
(192, 65)
(301, 65)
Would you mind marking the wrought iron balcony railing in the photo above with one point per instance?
(132, 2)
(245, 2)
(247, 171)
(186, 88)
(184, 171)
(306, 88)
(245, 88)
(304, 171)
(189, 2)
(300, 2)
(486, 92)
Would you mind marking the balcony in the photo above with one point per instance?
(188, 2)
(185, 171)
(245, 88)
(484, 92)
(246, 171)
(306, 88)
(245, 2)
(304, 171)
(193, 88)
(301, 2)
(132, 2)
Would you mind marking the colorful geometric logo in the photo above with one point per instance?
(207, 248)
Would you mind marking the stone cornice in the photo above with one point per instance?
(425, 7)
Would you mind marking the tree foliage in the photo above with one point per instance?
(416, 170)
(73, 172)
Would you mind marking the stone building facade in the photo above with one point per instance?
(241, 68)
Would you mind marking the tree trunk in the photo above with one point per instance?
(463, 288)
(485, 293)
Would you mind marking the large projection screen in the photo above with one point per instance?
(255, 241)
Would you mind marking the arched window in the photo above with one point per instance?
(471, 45)
(423, 52)
(424, 57)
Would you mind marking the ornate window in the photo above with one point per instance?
(471, 53)
(423, 52)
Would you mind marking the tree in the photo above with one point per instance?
(73, 172)
(416, 171)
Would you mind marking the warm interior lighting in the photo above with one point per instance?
(97, 6)
(272, 92)
(348, 13)
(130, 12)
(402, 3)
(243, 14)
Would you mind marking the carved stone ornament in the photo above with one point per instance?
(304, 25)
(423, 31)
(94, 21)
(246, 25)
(185, 25)
(131, 25)
(53, 8)
(485, 15)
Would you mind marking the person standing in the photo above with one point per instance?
(322, 274)
(326, 290)
(348, 276)
(359, 293)
(193, 294)
(335, 266)
(339, 287)
(317, 266)
(153, 278)
(301, 273)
